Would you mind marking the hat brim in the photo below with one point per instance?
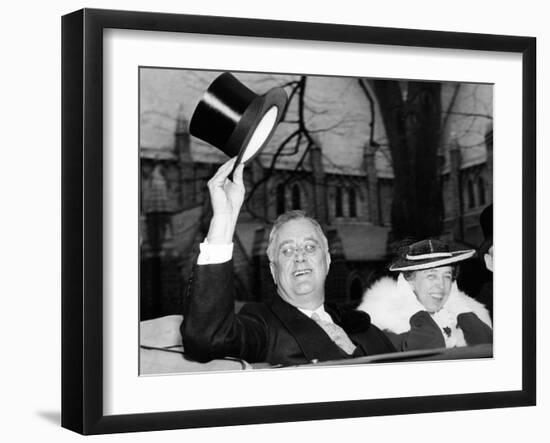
(250, 120)
(404, 264)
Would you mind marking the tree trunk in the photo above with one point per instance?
(413, 125)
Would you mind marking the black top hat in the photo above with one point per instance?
(427, 254)
(234, 119)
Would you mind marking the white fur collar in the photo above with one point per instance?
(392, 303)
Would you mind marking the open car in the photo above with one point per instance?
(162, 352)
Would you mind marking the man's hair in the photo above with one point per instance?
(286, 217)
(409, 275)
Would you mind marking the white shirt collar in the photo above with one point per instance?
(320, 311)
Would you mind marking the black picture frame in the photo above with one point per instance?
(82, 220)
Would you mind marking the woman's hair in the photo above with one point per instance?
(409, 275)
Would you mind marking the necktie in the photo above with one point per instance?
(336, 334)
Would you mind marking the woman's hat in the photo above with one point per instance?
(427, 254)
(234, 119)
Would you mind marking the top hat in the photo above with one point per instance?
(486, 222)
(427, 254)
(234, 119)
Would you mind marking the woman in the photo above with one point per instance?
(423, 308)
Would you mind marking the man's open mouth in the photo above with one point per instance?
(437, 296)
(301, 272)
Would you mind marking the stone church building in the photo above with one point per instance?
(353, 206)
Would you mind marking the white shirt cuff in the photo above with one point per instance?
(214, 254)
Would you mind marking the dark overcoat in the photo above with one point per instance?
(274, 332)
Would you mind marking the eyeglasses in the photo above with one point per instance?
(308, 249)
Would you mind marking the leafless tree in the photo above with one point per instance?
(415, 123)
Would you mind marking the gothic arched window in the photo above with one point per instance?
(481, 190)
(296, 198)
(339, 203)
(352, 203)
(471, 195)
(280, 190)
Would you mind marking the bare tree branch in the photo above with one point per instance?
(470, 114)
(451, 105)
(370, 99)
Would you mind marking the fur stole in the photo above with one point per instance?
(392, 303)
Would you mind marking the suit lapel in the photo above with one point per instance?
(314, 342)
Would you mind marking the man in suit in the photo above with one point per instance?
(297, 326)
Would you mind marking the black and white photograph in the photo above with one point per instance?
(296, 220)
(266, 222)
(278, 221)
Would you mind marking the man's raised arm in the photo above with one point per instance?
(226, 197)
(210, 328)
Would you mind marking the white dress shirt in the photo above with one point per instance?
(214, 254)
(320, 311)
